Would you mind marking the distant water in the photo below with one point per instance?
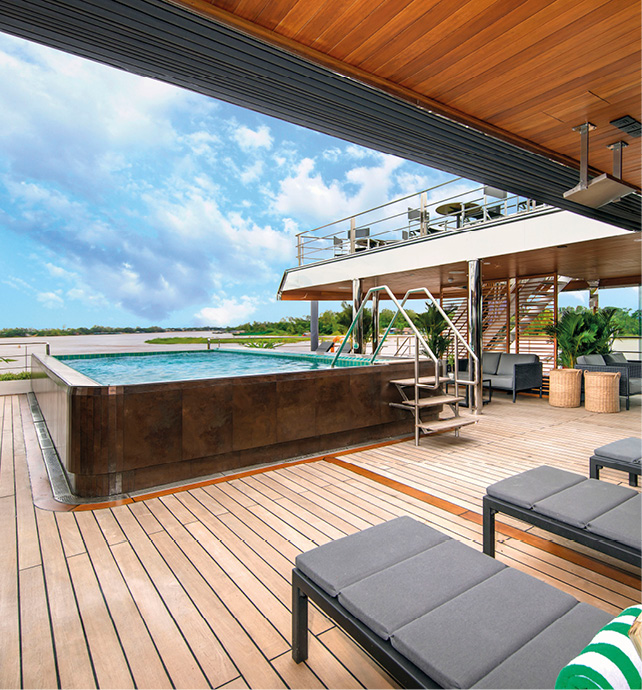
(117, 370)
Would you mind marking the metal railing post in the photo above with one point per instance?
(353, 242)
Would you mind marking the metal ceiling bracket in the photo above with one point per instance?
(617, 157)
(584, 130)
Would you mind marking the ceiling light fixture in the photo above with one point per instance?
(604, 188)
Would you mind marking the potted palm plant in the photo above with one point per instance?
(578, 332)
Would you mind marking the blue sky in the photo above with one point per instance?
(125, 201)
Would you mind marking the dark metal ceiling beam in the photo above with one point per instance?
(156, 39)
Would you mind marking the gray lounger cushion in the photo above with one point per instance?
(583, 502)
(526, 488)
(497, 381)
(538, 662)
(391, 598)
(624, 450)
(342, 562)
(488, 623)
(622, 524)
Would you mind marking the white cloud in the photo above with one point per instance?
(252, 172)
(228, 312)
(253, 139)
(50, 300)
(307, 195)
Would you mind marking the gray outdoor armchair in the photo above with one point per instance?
(630, 371)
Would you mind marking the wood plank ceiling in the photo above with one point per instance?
(527, 71)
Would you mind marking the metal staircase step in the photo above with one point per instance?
(446, 424)
(430, 380)
(432, 401)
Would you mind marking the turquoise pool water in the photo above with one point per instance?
(153, 367)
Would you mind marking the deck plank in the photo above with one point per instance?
(106, 651)
(142, 656)
(9, 603)
(37, 651)
(74, 663)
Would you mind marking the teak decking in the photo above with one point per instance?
(191, 588)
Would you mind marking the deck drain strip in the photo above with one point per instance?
(610, 571)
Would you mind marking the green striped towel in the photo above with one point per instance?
(609, 661)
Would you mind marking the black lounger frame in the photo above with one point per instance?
(382, 651)
(494, 505)
(597, 462)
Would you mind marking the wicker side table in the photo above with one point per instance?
(602, 391)
(565, 387)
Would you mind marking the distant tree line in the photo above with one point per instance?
(330, 323)
(94, 330)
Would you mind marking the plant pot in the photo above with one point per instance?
(565, 387)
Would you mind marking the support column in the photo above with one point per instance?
(314, 326)
(375, 321)
(475, 327)
(357, 333)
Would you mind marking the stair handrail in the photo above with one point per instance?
(458, 337)
(400, 310)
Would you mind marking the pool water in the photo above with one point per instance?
(114, 370)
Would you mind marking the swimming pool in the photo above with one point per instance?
(155, 367)
(121, 438)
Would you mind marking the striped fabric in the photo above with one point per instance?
(609, 661)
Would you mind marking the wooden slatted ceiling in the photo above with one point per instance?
(531, 69)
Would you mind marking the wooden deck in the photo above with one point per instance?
(190, 588)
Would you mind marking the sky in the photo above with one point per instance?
(128, 202)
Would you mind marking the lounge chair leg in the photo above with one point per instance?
(540, 391)
(299, 625)
(488, 530)
(627, 402)
(633, 479)
(514, 395)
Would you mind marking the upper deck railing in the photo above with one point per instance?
(440, 210)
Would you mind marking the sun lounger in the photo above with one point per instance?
(437, 613)
(624, 455)
(605, 517)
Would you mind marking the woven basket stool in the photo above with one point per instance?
(602, 391)
(565, 387)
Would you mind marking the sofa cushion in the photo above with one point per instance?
(635, 386)
(394, 597)
(507, 363)
(580, 504)
(622, 524)
(460, 642)
(624, 450)
(526, 488)
(615, 358)
(344, 561)
(538, 662)
(500, 382)
(593, 360)
(490, 360)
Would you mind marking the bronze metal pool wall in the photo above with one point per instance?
(119, 439)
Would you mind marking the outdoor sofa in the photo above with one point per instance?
(603, 516)
(509, 372)
(437, 613)
(624, 455)
(630, 371)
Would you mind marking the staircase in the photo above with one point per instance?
(417, 403)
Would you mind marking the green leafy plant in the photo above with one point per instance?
(264, 343)
(432, 325)
(583, 332)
